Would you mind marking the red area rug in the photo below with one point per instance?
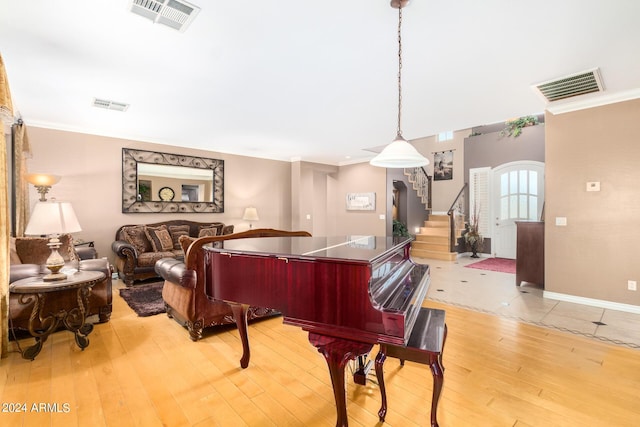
(502, 265)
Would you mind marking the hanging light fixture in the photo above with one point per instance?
(399, 154)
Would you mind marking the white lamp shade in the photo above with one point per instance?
(399, 154)
(250, 214)
(52, 218)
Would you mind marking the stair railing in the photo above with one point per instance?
(456, 218)
(421, 183)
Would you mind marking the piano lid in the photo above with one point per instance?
(346, 248)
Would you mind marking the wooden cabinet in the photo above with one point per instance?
(530, 252)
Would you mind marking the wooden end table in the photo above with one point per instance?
(34, 290)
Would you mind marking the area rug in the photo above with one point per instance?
(145, 300)
(501, 265)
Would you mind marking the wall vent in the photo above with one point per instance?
(172, 13)
(573, 85)
(110, 105)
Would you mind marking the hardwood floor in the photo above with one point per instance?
(146, 372)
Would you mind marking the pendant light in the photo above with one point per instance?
(399, 154)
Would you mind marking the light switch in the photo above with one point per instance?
(593, 186)
(382, 216)
(561, 221)
(308, 216)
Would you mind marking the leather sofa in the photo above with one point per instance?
(34, 251)
(184, 285)
(138, 247)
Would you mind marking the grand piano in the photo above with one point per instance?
(349, 293)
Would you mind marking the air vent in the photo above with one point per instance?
(110, 105)
(172, 13)
(573, 85)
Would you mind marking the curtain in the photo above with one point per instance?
(22, 152)
(6, 119)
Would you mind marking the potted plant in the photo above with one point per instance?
(472, 236)
(514, 127)
(399, 229)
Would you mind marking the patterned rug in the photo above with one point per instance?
(501, 265)
(146, 300)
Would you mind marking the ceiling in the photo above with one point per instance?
(312, 80)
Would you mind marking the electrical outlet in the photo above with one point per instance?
(632, 285)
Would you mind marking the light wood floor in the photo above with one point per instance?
(146, 372)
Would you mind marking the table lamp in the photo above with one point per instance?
(250, 214)
(53, 219)
(43, 183)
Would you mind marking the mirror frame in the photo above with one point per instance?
(130, 202)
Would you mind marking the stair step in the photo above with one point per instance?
(436, 224)
(445, 256)
(443, 240)
(431, 246)
(439, 217)
(434, 231)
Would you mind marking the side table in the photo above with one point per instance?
(33, 290)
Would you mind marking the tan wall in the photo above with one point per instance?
(91, 170)
(443, 193)
(597, 252)
(358, 178)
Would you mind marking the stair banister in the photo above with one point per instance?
(458, 206)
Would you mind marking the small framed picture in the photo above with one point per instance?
(361, 201)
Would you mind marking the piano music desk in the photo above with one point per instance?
(425, 346)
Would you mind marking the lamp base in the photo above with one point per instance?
(54, 277)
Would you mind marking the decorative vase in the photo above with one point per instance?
(474, 249)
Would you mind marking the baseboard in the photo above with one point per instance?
(592, 302)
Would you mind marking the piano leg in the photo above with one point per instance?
(240, 315)
(380, 358)
(337, 352)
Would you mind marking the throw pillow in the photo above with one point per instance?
(216, 225)
(176, 231)
(160, 238)
(136, 236)
(208, 232)
(34, 250)
(185, 242)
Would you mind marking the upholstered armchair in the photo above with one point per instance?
(28, 256)
(183, 291)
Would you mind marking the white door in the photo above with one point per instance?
(518, 195)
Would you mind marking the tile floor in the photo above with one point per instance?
(496, 293)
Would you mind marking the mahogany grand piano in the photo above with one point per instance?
(349, 293)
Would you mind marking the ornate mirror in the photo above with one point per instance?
(163, 182)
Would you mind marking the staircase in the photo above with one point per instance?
(433, 241)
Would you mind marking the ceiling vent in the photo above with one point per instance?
(173, 13)
(110, 105)
(573, 85)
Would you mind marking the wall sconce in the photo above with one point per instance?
(53, 219)
(43, 183)
(250, 214)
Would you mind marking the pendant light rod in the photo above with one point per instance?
(399, 68)
(400, 153)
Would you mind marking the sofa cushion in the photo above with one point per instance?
(34, 250)
(148, 259)
(176, 231)
(136, 236)
(208, 232)
(159, 238)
